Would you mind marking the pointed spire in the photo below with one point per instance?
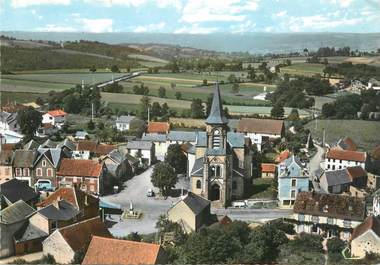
(216, 115)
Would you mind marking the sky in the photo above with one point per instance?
(190, 16)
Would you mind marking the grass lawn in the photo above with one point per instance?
(307, 69)
(364, 133)
(262, 189)
(19, 97)
(26, 86)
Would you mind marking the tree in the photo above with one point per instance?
(251, 74)
(156, 110)
(162, 92)
(134, 236)
(115, 69)
(294, 116)
(335, 245)
(143, 107)
(204, 82)
(235, 88)
(197, 110)
(178, 95)
(173, 85)
(164, 177)
(328, 109)
(72, 103)
(92, 69)
(79, 256)
(29, 120)
(90, 125)
(277, 111)
(176, 158)
(232, 78)
(39, 101)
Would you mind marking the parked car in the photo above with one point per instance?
(44, 185)
(150, 193)
(239, 204)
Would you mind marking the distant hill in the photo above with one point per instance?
(223, 42)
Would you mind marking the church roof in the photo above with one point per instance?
(216, 115)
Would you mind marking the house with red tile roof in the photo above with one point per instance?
(84, 173)
(268, 170)
(282, 156)
(64, 242)
(158, 127)
(339, 159)
(55, 117)
(123, 252)
(87, 149)
(366, 238)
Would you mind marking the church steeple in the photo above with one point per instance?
(216, 115)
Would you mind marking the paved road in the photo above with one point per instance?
(253, 215)
(315, 165)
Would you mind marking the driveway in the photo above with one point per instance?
(151, 208)
(315, 165)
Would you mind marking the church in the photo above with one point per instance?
(222, 169)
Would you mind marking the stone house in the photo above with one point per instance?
(328, 215)
(14, 190)
(268, 170)
(338, 159)
(23, 164)
(158, 127)
(365, 238)
(55, 117)
(143, 150)
(5, 165)
(123, 252)
(122, 122)
(292, 179)
(64, 242)
(12, 218)
(47, 163)
(192, 213)
(160, 143)
(86, 174)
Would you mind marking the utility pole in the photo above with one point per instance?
(82, 84)
(148, 114)
(92, 111)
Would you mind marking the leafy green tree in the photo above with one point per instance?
(335, 245)
(235, 88)
(176, 158)
(143, 107)
(115, 69)
(92, 69)
(164, 177)
(329, 109)
(162, 92)
(29, 120)
(134, 236)
(90, 125)
(232, 78)
(251, 74)
(178, 95)
(197, 110)
(165, 109)
(79, 256)
(277, 111)
(173, 85)
(204, 82)
(294, 116)
(72, 103)
(156, 110)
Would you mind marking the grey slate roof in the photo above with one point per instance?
(81, 134)
(143, 145)
(131, 159)
(10, 118)
(15, 212)
(32, 145)
(154, 137)
(337, 177)
(197, 167)
(68, 144)
(182, 136)
(23, 158)
(216, 152)
(124, 119)
(54, 155)
(48, 144)
(65, 212)
(116, 156)
(216, 115)
(29, 232)
(196, 203)
(201, 139)
(236, 140)
(292, 159)
(14, 190)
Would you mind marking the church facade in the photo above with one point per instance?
(222, 169)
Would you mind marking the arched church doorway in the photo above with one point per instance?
(215, 192)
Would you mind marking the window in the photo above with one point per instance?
(315, 219)
(26, 172)
(18, 171)
(216, 139)
(333, 167)
(44, 163)
(49, 172)
(234, 185)
(347, 223)
(301, 217)
(293, 194)
(39, 172)
(218, 171)
(294, 182)
(54, 225)
(199, 184)
(330, 221)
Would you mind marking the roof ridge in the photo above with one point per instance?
(75, 224)
(128, 241)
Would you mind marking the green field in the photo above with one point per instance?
(20, 97)
(364, 133)
(307, 69)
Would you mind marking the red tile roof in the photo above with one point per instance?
(57, 112)
(104, 149)
(8, 147)
(282, 156)
(87, 146)
(356, 172)
(348, 144)
(346, 155)
(79, 235)
(225, 220)
(115, 251)
(268, 168)
(80, 168)
(158, 127)
(264, 126)
(376, 153)
(370, 223)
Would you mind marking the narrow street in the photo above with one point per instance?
(315, 165)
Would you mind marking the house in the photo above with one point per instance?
(346, 143)
(55, 117)
(192, 213)
(223, 160)
(260, 131)
(86, 149)
(123, 252)
(23, 164)
(5, 165)
(158, 127)
(81, 135)
(86, 174)
(335, 181)
(46, 130)
(14, 190)
(116, 160)
(365, 238)
(181, 137)
(338, 159)
(160, 143)
(328, 214)
(85, 203)
(143, 150)
(13, 107)
(47, 163)
(268, 170)
(8, 121)
(373, 84)
(376, 203)
(282, 156)
(10, 137)
(123, 122)
(292, 179)
(64, 242)
(12, 218)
